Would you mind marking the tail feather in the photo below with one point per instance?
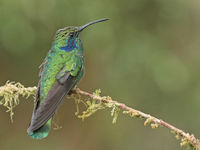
(42, 132)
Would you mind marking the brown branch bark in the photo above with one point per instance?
(10, 92)
(187, 138)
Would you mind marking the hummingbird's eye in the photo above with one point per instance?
(71, 35)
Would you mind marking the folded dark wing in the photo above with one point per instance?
(52, 101)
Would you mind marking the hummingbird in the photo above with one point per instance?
(60, 72)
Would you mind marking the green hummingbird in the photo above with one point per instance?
(60, 72)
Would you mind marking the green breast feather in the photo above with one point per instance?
(56, 60)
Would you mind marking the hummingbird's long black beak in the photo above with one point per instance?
(93, 22)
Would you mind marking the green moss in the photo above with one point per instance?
(114, 113)
(93, 106)
(148, 121)
(10, 93)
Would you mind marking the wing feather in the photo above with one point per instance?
(52, 101)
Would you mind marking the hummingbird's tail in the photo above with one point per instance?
(42, 132)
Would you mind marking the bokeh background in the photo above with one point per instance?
(146, 56)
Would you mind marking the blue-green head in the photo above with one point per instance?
(68, 38)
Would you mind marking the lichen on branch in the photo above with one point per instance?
(92, 105)
(98, 102)
(11, 91)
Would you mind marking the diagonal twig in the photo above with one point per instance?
(10, 92)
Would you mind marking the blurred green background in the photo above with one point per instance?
(146, 56)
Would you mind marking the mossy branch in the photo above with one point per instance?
(10, 92)
(9, 95)
(186, 139)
